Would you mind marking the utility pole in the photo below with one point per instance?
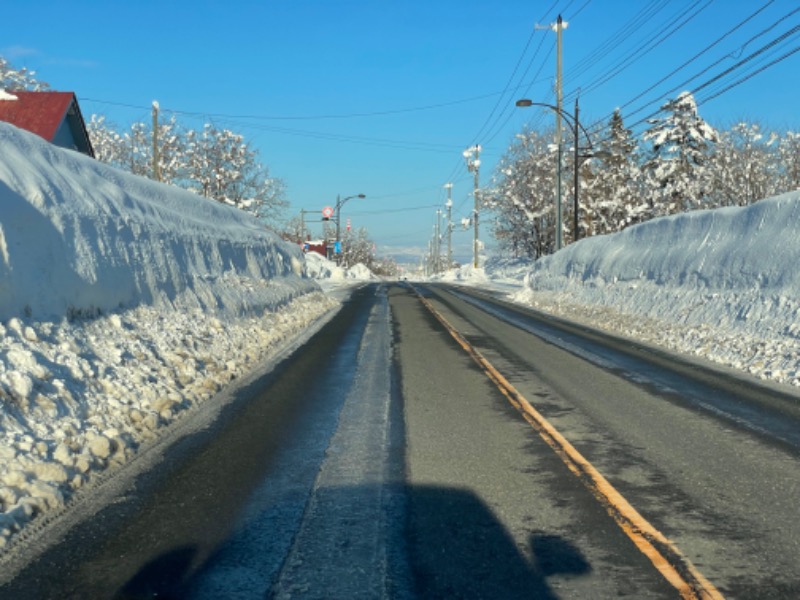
(559, 134)
(576, 182)
(438, 240)
(156, 169)
(472, 156)
(559, 26)
(449, 205)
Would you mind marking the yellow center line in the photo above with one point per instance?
(663, 553)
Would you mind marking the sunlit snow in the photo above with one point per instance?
(720, 284)
(124, 303)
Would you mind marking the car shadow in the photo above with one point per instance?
(446, 543)
(459, 549)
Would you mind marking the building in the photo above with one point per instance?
(318, 246)
(55, 116)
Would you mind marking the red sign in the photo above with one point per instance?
(327, 212)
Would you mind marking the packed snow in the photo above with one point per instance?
(124, 303)
(329, 273)
(719, 284)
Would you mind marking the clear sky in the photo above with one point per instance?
(345, 97)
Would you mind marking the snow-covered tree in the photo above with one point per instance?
(133, 150)
(357, 248)
(12, 79)
(221, 165)
(744, 166)
(216, 163)
(612, 196)
(677, 169)
(108, 145)
(294, 230)
(789, 162)
(385, 267)
(521, 197)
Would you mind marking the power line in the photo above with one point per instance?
(499, 124)
(785, 36)
(753, 74)
(698, 55)
(393, 210)
(601, 52)
(671, 29)
(356, 115)
(686, 83)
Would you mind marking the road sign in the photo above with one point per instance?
(327, 212)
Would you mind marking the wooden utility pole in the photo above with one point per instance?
(559, 135)
(559, 26)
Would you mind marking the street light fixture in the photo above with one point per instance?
(339, 204)
(576, 125)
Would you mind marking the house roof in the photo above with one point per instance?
(43, 113)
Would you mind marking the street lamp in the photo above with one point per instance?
(524, 102)
(339, 204)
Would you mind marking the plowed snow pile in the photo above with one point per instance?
(123, 303)
(722, 284)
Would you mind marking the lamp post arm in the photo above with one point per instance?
(576, 125)
(572, 120)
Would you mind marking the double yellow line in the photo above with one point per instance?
(664, 554)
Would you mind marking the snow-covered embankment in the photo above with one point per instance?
(122, 303)
(722, 284)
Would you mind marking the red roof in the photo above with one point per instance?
(38, 112)
(43, 113)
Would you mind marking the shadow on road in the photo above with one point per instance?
(443, 543)
(458, 549)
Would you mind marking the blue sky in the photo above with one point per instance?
(381, 98)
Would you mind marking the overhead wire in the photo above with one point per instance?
(613, 41)
(494, 124)
(678, 22)
(766, 56)
(752, 74)
(739, 64)
(698, 55)
(357, 115)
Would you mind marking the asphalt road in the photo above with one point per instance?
(381, 461)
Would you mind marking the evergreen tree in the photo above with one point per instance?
(613, 197)
(677, 170)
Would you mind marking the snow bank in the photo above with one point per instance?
(79, 237)
(723, 284)
(123, 304)
(361, 272)
(324, 270)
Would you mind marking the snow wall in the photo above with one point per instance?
(78, 236)
(735, 264)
